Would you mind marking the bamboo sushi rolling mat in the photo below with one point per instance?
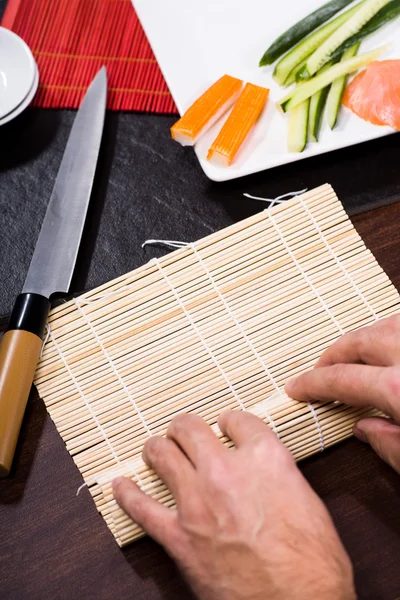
(222, 323)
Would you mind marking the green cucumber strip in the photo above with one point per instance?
(323, 54)
(308, 88)
(298, 127)
(283, 101)
(299, 31)
(385, 15)
(302, 73)
(303, 50)
(301, 82)
(317, 104)
(293, 77)
(335, 95)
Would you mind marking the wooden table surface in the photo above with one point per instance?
(54, 544)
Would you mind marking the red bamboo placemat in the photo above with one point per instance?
(72, 39)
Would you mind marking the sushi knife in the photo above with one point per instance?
(51, 267)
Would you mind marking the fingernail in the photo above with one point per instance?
(360, 435)
(115, 483)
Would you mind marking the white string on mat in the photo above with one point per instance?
(82, 395)
(169, 243)
(198, 332)
(321, 437)
(263, 407)
(350, 278)
(176, 244)
(342, 267)
(45, 339)
(80, 488)
(92, 413)
(116, 373)
(237, 323)
(127, 288)
(302, 271)
(318, 296)
(278, 199)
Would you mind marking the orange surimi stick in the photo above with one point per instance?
(206, 110)
(238, 125)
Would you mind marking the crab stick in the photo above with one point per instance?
(206, 110)
(243, 117)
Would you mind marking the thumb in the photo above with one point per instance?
(383, 436)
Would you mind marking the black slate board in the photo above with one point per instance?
(150, 187)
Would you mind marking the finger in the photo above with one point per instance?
(158, 521)
(357, 385)
(195, 437)
(383, 436)
(376, 345)
(242, 427)
(169, 462)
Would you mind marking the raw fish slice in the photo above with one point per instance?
(374, 94)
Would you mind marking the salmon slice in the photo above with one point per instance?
(206, 110)
(374, 94)
(243, 117)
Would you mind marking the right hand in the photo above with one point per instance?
(247, 525)
(362, 368)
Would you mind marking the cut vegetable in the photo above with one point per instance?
(374, 95)
(296, 33)
(308, 88)
(300, 52)
(302, 73)
(317, 104)
(206, 110)
(294, 75)
(335, 95)
(352, 25)
(385, 15)
(243, 117)
(298, 127)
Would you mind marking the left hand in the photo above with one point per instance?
(247, 526)
(362, 368)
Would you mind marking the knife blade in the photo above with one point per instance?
(52, 265)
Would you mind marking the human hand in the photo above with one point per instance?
(362, 368)
(247, 524)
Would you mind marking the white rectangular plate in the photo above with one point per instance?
(197, 41)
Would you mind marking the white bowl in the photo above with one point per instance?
(17, 72)
(28, 99)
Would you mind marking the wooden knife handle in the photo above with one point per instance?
(19, 353)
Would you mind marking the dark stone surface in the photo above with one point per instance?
(149, 186)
